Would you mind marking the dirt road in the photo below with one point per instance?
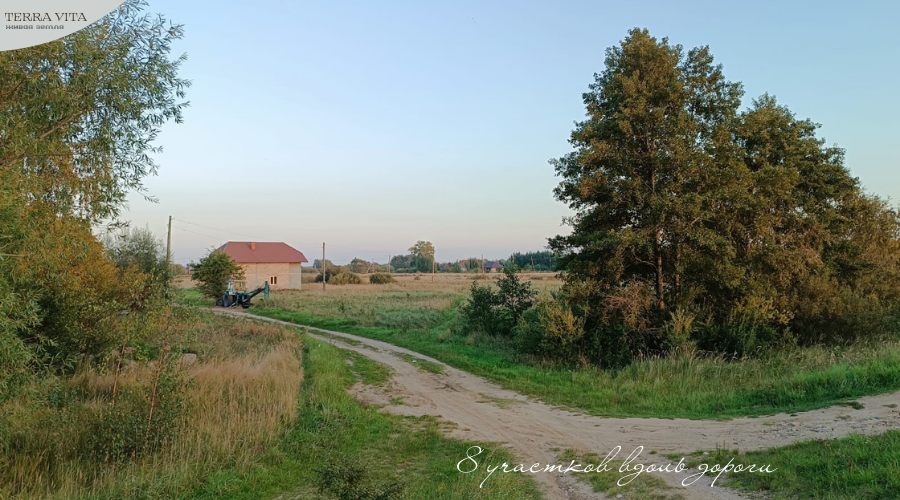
(535, 431)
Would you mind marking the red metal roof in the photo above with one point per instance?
(245, 252)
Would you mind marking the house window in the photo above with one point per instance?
(273, 280)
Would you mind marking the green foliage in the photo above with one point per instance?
(381, 279)
(214, 271)
(782, 380)
(856, 467)
(345, 279)
(346, 478)
(542, 261)
(329, 272)
(746, 222)
(79, 114)
(497, 313)
(421, 256)
(17, 359)
(141, 249)
(552, 331)
(126, 432)
(79, 292)
(359, 266)
(317, 264)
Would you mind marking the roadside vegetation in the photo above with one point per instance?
(690, 386)
(339, 448)
(855, 467)
(198, 394)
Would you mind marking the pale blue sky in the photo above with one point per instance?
(370, 125)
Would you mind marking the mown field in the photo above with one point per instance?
(261, 412)
(419, 315)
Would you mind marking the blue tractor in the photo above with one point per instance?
(236, 295)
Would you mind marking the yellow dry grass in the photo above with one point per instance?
(237, 407)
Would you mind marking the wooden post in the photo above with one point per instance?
(532, 263)
(323, 266)
(390, 268)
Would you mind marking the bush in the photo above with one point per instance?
(741, 337)
(497, 313)
(552, 330)
(328, 275)
(381, 279)
(345, 279)
(347, 479)
(139, 248)
(478, 313)
(126, 432)
(214, 271)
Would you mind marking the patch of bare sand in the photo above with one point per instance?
(482, 411)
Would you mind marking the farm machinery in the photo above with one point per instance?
(236, 295)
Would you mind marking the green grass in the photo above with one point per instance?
(368, 371)
(697, 388)
(334, 429)
(421, 364)
(855, 467)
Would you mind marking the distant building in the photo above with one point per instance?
(275, 262)
(463, 266)
(493, 267)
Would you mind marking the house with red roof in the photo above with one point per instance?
(275, 262)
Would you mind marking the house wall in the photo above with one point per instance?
(295, 272)
(257, 274)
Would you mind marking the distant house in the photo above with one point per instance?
(493, 267)
(463, 266)
(278, 263)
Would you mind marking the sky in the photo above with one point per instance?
(371, 125)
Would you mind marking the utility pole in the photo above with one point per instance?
(390, 269)
(433, 266)
(323, 266)
(532, 263)
(482, 263)
(169, 245)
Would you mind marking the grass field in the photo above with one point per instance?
(265, 412)
(418, 315)
(855, 467)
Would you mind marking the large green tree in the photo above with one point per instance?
(78, 117)
(422, 256)
(682, 204)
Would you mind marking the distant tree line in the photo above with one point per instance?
(544, 260)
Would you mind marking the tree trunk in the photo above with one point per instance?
(657, 251)
(660, 281)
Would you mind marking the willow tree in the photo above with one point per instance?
(79, 115)
(688, 211)
(78, 120)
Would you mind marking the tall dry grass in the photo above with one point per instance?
(236, 408)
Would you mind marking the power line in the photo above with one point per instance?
(217, 238)
(214, 228)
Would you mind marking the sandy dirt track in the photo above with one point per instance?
(535, 431)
